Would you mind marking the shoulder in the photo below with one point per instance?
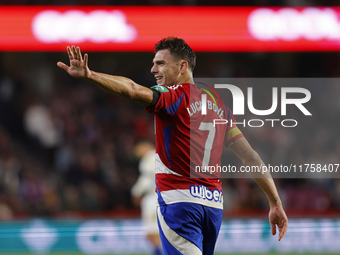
(178, 87)
(160, 88)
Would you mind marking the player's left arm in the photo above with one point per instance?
(250, 157)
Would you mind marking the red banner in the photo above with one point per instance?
(51, 28)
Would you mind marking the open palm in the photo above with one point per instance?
(78, 66)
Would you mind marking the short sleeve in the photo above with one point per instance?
(169, 100)
(232, 132)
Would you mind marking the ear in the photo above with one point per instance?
(183, 65)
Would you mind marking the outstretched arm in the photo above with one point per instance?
(249, 157)
(117, 85)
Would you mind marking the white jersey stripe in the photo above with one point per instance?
(162, 169)
(195, 194)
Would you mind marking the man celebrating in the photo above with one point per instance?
(190, 204)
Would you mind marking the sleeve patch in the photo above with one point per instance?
(160, 89)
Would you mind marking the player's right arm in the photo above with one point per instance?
(117, 85)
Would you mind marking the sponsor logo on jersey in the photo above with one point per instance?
(204, 193)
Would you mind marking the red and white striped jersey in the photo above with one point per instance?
(188, 143)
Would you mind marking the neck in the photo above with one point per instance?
(186, 79)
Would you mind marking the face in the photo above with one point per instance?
(165, 68)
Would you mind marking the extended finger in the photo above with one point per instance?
(79, 54)
(273, 228)
(86, 59)
(75, 53)
(283, 230)
(70, 53)
(62, 66)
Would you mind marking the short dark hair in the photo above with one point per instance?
(179, 49)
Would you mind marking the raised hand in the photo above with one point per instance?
(78, 66)
(277, 216)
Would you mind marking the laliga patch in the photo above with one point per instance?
(160, 89)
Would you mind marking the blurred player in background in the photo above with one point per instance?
(190, 207)
(143, 192)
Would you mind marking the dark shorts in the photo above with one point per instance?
(188, 228)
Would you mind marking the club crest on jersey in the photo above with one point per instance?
(205, 193)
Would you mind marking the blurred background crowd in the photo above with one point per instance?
(68, 147)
